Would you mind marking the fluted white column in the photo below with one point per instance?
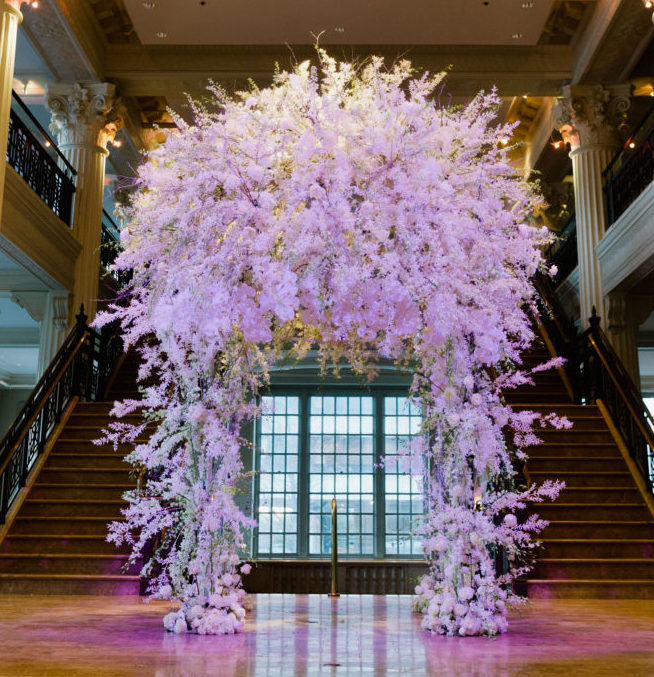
(84, 120)
(589, 119)
(10, 19)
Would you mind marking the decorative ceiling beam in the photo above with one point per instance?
(166, 71)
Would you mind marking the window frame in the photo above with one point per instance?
(388, 385)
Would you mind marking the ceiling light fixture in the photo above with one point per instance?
(339, 29)
(516, 36)
(162, 35)
(149, 5)
(527, 5)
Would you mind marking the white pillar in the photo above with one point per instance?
(10, 19)
(589, 119)
(85, 120)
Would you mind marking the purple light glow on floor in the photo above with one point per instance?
(311, 634)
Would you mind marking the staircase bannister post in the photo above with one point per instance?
(596, 386)
(80, 328)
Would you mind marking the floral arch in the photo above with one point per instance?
(341, 209)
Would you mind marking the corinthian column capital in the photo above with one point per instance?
(592, 115)
(84, 115)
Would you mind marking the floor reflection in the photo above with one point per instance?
(310, 635)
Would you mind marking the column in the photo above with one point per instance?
(590, 118)
(85, 120)
(10, 19)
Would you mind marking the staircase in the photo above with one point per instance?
(599, 544)
(56, 544)
(600, 541)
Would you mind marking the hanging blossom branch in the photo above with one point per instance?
(341, 208)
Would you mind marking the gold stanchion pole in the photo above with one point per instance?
(334, 593)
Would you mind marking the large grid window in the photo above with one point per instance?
(313, 447)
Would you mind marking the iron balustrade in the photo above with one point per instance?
(110, 247)
(596, 372)
(631, 171)
(604, 377)
(80, 368)
(563, 251)
(40, 163)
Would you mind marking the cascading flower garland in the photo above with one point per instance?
(341, 209)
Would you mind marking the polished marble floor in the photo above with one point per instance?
(312, 635)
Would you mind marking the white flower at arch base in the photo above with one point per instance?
(340, 208)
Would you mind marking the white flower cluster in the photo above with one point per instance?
(220, 614)
(462, 611)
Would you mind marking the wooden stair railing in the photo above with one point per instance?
(81, 368)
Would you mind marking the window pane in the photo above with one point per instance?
(338, 469)
(277, 502)
(402, 491)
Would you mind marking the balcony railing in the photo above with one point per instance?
(631, 171)
(34, 155)
(563, 252)
(110, 248)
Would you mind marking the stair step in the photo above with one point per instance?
(89, 476)
(71, 508)
(582, 479)
(589, 511)
(554, 387)
(40, 584)
(111, 461)
(575, 435)
(590, 589)
(61, 525)
(60, 543)
(585, 464)
(600, 495)
(112, 492)
(602, 529)
(69, 564)
(90, 433)
(576, 548)
(102, 407)
(578, 569)
(537, 397)
(573, 450)
(99, 421)
(67, 446)
(572, 411)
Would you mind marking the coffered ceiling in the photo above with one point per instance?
(339, 22)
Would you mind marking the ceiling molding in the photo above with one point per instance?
(20, 336)
(10, 380)
(168, 71)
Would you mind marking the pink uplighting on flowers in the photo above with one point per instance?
(340, 207)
